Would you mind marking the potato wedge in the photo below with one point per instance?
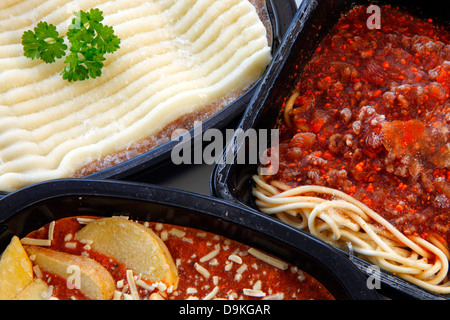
(94, 280)
(134, 245)
(37, 290)
(16, 270)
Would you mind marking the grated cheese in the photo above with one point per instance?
(213, 262)
(228, 266)
(241, 269)
(177, 233)
(121, 217)
(70, 245)
(212, 294)
(268, 259)
(117, 295)
(257, 285)
(47, 295)
(36, 242)
(144, 285)
(191, 291)
(211, 255)
(156, 296)
(276, 296)
(37, 271)
(164, 235)
(51, 229)
(254, 293)
(161, 286)
(127, 296)
(235, 258)
(132, 285)
(243, 258)
(84, 220)
(202, 270)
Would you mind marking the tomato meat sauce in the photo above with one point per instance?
(209, 267)
(370, 116)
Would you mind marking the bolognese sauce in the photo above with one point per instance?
(209, 267)
(370, 116)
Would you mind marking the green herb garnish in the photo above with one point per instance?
(44, 43)
(89, 41)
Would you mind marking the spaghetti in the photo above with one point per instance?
(345, 219)
(365, 147)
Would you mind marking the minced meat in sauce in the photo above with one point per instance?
(373, 119)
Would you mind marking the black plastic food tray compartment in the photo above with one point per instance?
(281, 14)
(313, 20)
(30, 208)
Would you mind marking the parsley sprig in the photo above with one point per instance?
(44, 43)
(89, 41)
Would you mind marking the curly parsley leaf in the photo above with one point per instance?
(90, 40)
(44, 43)
(83, 63)
(87, 27)
(105, 40)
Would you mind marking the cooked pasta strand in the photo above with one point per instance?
(344, 219)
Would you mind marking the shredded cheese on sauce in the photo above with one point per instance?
(132, 285)
(51, 230)
(254, 293)
(36, 242)
(202, 270)
(216, 268)
(268, 259)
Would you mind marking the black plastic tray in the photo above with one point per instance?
(30, 208)
(281, 13)
(313, 20)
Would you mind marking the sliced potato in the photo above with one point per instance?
(16, 270)
(94, 280)
(36, 290)
(134, 245)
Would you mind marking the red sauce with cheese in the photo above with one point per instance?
(187, 247)
(372, 119)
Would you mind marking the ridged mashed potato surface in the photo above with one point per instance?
(175, 58)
